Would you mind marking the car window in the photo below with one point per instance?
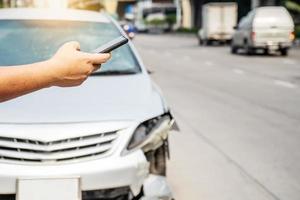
(247, 20)
(250, 18)
(242, 23)
(28, 41)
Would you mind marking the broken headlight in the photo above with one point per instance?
(151, 134)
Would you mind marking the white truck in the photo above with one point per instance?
(218, 22)
(269, 28)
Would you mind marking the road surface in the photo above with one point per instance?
(239, 118)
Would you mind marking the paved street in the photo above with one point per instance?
(239, 118)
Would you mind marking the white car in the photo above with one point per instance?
(269, 28)
(110, 134)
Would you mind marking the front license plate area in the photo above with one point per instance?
(273, 47)
(49, 189)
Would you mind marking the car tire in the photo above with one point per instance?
(249, 50)
(234, 49)
(284, 52)
(266, 51)
(200, 41)
(207, 42)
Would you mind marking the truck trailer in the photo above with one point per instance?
(218, 22)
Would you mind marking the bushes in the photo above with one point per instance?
(297, 31)
(187, 30)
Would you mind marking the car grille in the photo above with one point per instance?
(23, 150)
(121, 193)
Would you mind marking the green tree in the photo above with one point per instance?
(86, 5)
(294, 8)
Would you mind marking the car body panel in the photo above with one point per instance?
(51, 14)
(218, 21)
(126, 97)
(102, 104)
(265, 27)
(110, 172)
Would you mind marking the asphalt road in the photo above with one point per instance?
(239, 118)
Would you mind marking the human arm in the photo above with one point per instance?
(68, 67)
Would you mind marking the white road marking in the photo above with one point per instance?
(289, 62)
(208, 63)
(285, 84)
(238, 71)
(167, 53)
(186, 57)
(152, 51)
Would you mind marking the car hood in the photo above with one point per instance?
(100, 98)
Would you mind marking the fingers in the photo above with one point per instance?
(96, 67)
(98, 59)
(74, 45)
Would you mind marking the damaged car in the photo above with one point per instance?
(110, 133)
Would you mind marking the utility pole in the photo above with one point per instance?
(178, 13)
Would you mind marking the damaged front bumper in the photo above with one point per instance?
(110, 177)
(157, 188)
(130, 170)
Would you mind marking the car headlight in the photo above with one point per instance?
(151, 134)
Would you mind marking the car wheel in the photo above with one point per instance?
(207, 42)
(266, 51)
(249, 50)
(200, 41)
(234, 49)
(283, 52)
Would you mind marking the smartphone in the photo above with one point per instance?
(112, 45)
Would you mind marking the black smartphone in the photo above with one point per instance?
(112, 45)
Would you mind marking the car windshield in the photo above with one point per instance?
(28, 41)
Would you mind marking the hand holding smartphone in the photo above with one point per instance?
(112, 45)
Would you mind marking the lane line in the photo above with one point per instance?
(152, 51)
(208, 63)
(243, 171)
(289, 62)
(186, 57)
(238, 71)
(167, 53)
(285, 84)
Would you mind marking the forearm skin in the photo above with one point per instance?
(16, 81)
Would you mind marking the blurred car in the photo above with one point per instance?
(268, 28)
(111, 132)
(129, 29)
(218, 21)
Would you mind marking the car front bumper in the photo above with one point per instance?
(272, 45)
(220, 36)
(110, 172)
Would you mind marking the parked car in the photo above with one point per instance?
(129, 29)
(268, 28)
(155, 17)
(218, 22)
(111, 132)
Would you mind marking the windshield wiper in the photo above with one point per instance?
(113, 72)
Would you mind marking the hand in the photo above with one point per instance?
(70, 67)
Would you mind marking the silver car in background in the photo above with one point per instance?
(268, 28)
(111, 132)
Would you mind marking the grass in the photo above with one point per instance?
(297, 31)
(187, 30)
